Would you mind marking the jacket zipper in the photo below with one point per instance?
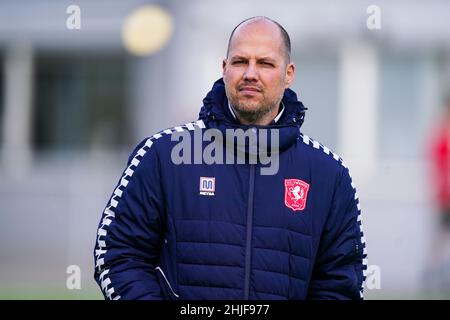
(167, 281)
(248, 248)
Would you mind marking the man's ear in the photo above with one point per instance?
(290, 71)
(224, 65)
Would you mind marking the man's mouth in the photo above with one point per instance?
(249, 89)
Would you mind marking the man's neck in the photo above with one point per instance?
(264, 121)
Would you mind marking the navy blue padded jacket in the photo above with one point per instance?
(225, 231)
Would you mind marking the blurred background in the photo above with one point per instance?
(82, 82)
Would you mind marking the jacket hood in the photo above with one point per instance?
(216, 113)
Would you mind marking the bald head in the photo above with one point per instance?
(285, 39)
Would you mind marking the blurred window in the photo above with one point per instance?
(399, 106)
(316, 84)
(80, 102)
(2, 97)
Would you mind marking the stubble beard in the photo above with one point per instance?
(252, 112)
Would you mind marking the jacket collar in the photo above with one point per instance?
(216, 107)
(216, 114)
(280, 113)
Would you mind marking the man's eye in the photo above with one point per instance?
(269, 64)
(238, 62)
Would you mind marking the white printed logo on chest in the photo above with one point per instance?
(207, 186)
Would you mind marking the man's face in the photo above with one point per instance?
(256, 72)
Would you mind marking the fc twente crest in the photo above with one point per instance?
(295, 193)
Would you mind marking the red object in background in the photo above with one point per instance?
(440, 153)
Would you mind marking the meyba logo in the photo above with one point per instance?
(207, 186)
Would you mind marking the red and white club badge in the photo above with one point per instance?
(295, 193)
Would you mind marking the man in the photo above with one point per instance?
(179, 230)
(440, 160)
(436, 273)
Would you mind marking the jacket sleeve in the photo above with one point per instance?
(129, 234)
(339, 270)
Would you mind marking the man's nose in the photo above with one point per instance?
(251, 73)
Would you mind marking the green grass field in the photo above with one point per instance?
(49, 294)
